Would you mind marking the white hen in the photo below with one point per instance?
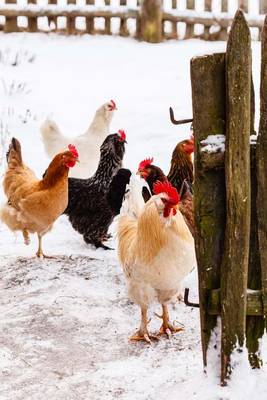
(88, 144)
(156, 250)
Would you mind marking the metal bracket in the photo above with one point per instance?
(187, 302)
(180, 121)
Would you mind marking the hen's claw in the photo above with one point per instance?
(143, 336)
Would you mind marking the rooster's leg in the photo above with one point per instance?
(166, 327)
(142, 333)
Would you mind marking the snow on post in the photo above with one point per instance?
(262, 169)
(208, 95)
(234, 269)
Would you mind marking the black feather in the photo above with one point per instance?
(117, 189)
(88, 208)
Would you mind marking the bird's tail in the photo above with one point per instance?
(133, 200)
(13, 155)
(53, 139)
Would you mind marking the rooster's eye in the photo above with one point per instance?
(164, 201)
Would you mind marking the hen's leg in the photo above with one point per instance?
(142, 333)
(166, 327)
(40, 253)
(26, 236)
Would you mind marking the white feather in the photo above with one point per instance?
(88, 144)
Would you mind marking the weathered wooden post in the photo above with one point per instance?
(223, 31)
(243, 5)
(123, 23)
(90, 20)
(71, 29)
(234, 269)
(32, 21)
(52, 19)
(189, 33)
(11, 22)
(151, 21)
(208, 94)
(107, 20)
(262, 171)
(207, 6)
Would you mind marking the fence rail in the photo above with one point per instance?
(150, 20)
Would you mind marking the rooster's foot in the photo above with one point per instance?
(167, 328)
(143, 336)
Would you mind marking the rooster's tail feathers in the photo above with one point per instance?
(13, 154)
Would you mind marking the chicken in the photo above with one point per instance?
(152, 174)
(156, 251)
(181, 164)
(87, 144)
(33, 204)
(88, 209)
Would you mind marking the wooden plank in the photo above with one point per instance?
(174, 34)
(207, 7)
(123, 22)
(90, 21)
(243, 5)
(263, 6)
(11, 22)
(234, 269)
(254, 304)
(71, 29)
(223, 31)
(107, 20)
(208, 96)
(32, 22)
(262, 168)
(254, 322)
(189, 33)
(52, 19)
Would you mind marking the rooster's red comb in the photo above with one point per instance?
(145, 163)
(122, 135)
(166, 187)
(73, 150)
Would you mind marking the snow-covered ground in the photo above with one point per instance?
(65, 324)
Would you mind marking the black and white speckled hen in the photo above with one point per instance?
(88, 209)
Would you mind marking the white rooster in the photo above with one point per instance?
(88, 144)
(156, 250)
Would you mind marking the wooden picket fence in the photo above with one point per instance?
(230, 197)
(149, 20)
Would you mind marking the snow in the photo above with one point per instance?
(213, 144)
(65, 323)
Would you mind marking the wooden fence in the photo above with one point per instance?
(230, 196)
(149, 20)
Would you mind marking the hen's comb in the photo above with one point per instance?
(146, 163)
(113, 104)
(166, 187)
(122, 135)
(73, 150)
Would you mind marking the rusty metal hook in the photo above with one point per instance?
(180, 121)
(187, 302)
